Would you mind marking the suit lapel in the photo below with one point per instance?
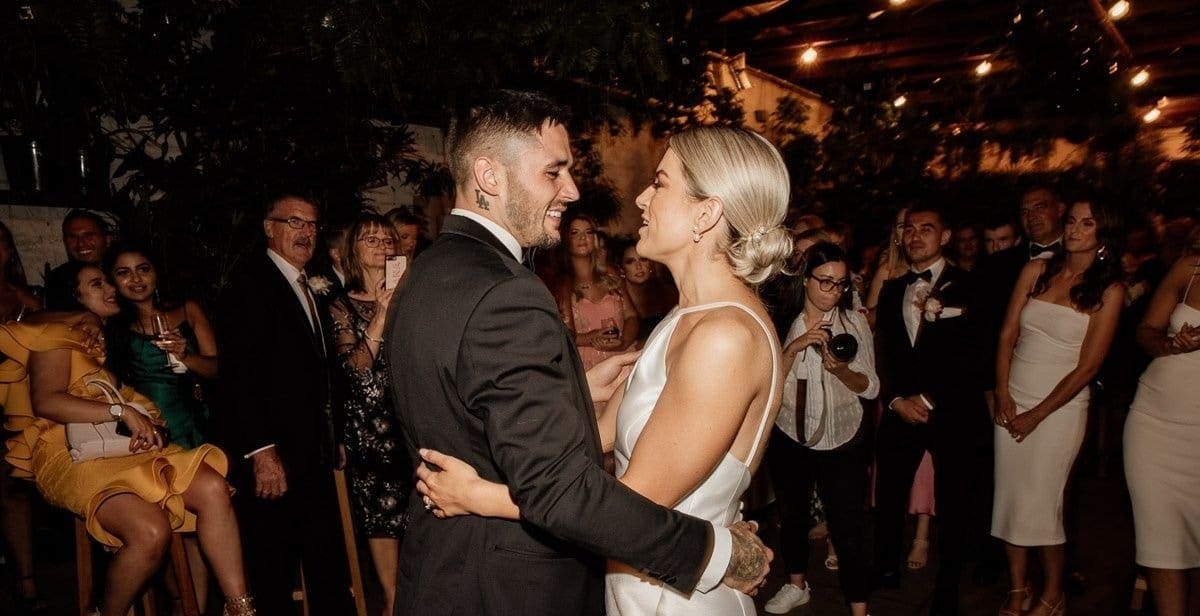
(949, 276)
(461, 225)
(290, 304)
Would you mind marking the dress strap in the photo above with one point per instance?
(762, 424)
(1191, 279)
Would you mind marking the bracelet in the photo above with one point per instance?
(370, 339)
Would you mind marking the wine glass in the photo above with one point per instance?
(161, 327)
(608, 327)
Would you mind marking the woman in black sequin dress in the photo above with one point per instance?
(380, 477)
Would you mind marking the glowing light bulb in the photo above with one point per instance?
(897, 2)
(900, 101)
(983, 68)
(809, 56)
(1151, 115)
(1119, 9)
(1140, 78)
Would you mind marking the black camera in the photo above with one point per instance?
(843, 347)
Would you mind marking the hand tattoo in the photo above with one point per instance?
(481, 201)
(749, 561)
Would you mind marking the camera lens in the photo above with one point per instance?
(843, 346)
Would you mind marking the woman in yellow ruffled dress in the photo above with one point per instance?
(133, 502)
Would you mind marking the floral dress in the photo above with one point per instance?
(380, 477)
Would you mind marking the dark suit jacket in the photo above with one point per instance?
(483, 369)
(274, 376)
(943, 364)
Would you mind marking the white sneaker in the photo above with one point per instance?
(788, 598)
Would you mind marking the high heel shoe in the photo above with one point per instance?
(1058, 609)
(239, 606)
(1025, 603)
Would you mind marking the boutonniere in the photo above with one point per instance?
(931, 308)
(319, 285)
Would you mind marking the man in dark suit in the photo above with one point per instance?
(929, 383)
(483, 369)
(276, 418)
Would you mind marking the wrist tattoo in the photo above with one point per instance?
(748, 561)
(481, 201)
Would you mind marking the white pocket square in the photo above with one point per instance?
(950, 313)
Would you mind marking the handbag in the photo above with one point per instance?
(91, 441)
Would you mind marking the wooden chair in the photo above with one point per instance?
(356, 585)
(148, 603)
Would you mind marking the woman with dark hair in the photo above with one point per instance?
(160, 346)
(54, 376)
(818, 434)
(1162, 462)
(651, 296)
(379, 479)
(16, 299)
(593, 302)
(1057, 330)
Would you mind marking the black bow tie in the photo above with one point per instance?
(1037, 249)
(912, 276)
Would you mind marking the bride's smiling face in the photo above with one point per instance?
(667, 212)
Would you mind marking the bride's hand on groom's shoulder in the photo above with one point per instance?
(604, 378)
(750, 561)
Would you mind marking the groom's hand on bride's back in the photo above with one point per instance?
(750, 561)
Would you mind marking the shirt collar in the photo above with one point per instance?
(289, 271)
(935, 269)
(510, 242)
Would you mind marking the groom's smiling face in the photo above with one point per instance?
(924, 237)
(539, 187)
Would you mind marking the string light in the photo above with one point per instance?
(1162, 102)
(897, 2)
(900, 101)
(1140, 78)
(874, 15)
(1119, 9)
(809, 56)
(983, 68)
(1152, 115)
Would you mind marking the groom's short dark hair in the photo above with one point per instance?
(928, 208)
(482, 128)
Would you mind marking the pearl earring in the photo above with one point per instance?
(695, 234)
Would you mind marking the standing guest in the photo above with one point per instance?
(55, 375)
(966, 247)
(892, 264)
(379, 480)
(1057, 330)
(1161, 463)
(162, 361)
(818, 437)
(594, 304)
(999, 233)
(924, 341)
(86, 237)
(277, 418)
(16, 507)
(650, 295)
(490, 376)
(410, 232)
(335, 249)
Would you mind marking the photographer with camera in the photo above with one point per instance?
(818, 433)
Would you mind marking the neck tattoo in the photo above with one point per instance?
(481, 201)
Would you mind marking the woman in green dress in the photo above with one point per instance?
(166, 351)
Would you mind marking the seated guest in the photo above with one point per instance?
(818, 438)
(54, 375)
(163, 349)
(593, 302)
(1162, 465)
(379, 478)
(652, 297)
(86, 237)
(1057, 330)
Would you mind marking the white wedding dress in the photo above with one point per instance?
(716, 499)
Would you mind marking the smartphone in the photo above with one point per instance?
(394, 270)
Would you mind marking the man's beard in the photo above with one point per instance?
(525, 219)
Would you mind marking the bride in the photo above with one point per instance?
(690, 440)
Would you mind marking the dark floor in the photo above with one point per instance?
(1104, 553)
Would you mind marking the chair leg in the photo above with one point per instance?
(356, 583)
(83, 568)
(183, 577)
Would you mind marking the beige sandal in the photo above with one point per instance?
(1004, 611)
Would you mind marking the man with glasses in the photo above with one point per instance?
(275, 345)
(929, 388)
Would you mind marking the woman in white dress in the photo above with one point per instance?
(1056, 333)
(1162, 460)
(691, 441)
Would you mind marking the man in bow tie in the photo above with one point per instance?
(929, 385)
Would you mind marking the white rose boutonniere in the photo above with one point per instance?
(319, 285)
(932, 308)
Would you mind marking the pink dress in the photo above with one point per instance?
(589, 316)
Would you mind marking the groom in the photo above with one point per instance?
(483, 369)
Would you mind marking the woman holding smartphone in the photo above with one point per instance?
(374, 452)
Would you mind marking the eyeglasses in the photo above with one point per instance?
(372, 241)
(297, 223)
(830, 284)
